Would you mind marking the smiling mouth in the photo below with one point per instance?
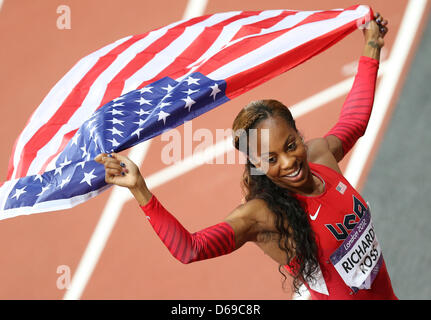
(293, 175)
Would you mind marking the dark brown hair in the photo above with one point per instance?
(297, 238)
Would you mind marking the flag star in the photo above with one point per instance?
(58, 170)
(137, 132)
(38, 177)
(92, 131)
(65, 162)
(146, 89)
(164, 104)
(90, 122)
(75, 138)
(114, 142)
(118, 104)
(215, 90)
(140, 123)
(19, 192)
(190, 91)
(168, 88)
(64, 182)
(163, 115)
(82, 164)
(118, 98)
(189, 102)
(115, 111)
(116, 121)
(115, 131)
(84, 149)
(142, 101)
(88, 176)
(43, 190)
(190, 80)
(141, 112)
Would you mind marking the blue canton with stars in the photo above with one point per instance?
(120, 124)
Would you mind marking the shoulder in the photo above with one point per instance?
(255, 213)
(253, 209)
(319, 151)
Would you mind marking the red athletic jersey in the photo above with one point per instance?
(333, 216)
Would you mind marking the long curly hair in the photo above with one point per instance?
(297, 239)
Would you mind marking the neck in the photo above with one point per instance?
(313, 187)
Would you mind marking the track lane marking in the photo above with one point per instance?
(116, 201)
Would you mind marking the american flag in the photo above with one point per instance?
(140, 86)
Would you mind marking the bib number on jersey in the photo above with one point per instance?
(359, 258)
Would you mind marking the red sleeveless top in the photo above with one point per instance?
(350, 258)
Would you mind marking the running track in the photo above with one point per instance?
(114, 254)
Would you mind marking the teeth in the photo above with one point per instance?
(294, 173)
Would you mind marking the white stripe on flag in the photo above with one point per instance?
(168, 55)
(229, 32)
(287, 41)
(56, 97)
(94, 98)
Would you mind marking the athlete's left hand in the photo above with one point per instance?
(375, 31)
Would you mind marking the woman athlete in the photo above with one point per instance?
(301, 212)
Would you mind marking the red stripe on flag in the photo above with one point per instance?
(196, 49)
(63, 144)
(116, 86)
(256, 27)
(68, 108)
(240, 82)
(247, 45)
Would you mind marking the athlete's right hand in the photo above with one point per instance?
(119, 170)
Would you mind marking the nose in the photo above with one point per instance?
(286, 161)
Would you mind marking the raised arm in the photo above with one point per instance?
(220, 239)
(356, 110)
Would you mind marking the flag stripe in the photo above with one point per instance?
(229, 32)
(179, 67)
(163, 58)
(181, 71)
(256, 28)
(99, 88)
(221, 38)
(67, 109)
(49, 104)
(116, 87)
(89, 104)
(241, 47)
(262, 63)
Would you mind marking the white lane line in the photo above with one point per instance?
(195, 8)
(392, 72)
(120, 196)
(224, 146)
(190, 163)
(102, 231)
(114, 205)
(399, 53)
(325, 96)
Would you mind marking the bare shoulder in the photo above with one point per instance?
(255, 210)
(320, 151)
(250, 219)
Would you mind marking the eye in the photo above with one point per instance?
(272, 160)
(291, 146)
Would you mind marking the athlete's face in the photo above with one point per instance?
(281, 153)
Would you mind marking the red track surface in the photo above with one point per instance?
(135, 264)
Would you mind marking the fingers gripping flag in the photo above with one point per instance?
(140, 86)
